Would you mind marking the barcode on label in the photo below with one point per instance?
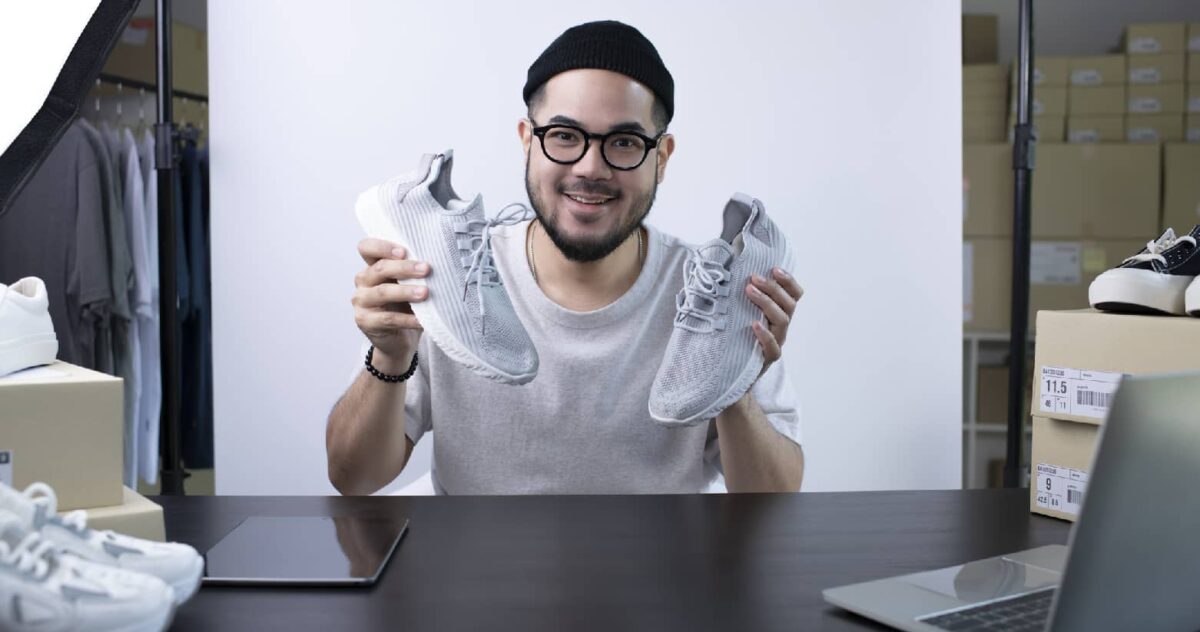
(1092, 398)
(1074, 496)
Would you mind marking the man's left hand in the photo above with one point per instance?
(777, 298)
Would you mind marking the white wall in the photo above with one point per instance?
(843, 117)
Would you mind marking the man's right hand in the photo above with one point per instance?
(382, 300)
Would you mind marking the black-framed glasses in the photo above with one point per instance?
(567, 145)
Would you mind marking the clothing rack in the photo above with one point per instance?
(149, 87)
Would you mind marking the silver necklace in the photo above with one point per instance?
(529, 249)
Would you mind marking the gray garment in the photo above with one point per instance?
(134, 210)
(582, 426)
(149, 322)
(54, 230)
(112, 334)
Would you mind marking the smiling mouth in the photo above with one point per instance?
(591, 200)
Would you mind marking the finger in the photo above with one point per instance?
(372, 249)
(770, 346)
(380, 322)
(788, 283)
(389, 270)
(387, 294)
(774, 313)
(774, 290)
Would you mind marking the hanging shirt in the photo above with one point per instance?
(148, 328)
(139, 297)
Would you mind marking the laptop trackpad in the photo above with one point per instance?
(985, 579)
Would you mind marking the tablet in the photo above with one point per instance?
(304, 551)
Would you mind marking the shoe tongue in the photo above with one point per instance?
(15, 504)
(1195, 232)
(718, 251)
(1166, 238)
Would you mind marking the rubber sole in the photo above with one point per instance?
(1139, 292)
(187, 586)
(28, 351)
(1191, 298)
(371, 216)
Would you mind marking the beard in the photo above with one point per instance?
(586, 250)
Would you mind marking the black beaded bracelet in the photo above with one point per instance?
(390, 378)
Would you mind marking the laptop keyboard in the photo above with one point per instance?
(1024, 613)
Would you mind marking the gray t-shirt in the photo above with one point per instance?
(582, 425)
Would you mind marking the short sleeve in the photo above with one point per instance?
(418, 418)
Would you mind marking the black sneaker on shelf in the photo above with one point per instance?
(1156, 280)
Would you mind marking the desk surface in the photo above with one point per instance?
(719, 562)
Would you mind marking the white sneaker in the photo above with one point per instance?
(1156, 280)
(475, 326)
(713, 357)
(45, 591)
(179, 565)
(26, 332)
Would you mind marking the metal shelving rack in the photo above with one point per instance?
(982, 349)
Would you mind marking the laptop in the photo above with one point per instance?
(304, 551)
(1133, 558)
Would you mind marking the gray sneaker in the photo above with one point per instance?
(468, 312)
(713, 357)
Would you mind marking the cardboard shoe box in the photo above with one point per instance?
(1167, 98)
(1193, 37)
(1076, 377)
(1047, 101)
(1181, 186)
(1153, 38)
(979, 39)
(1193, 68)
(1059, 276)
(984, 73)
(63, 425)
(136, 516)
(1191, 127)
(987, 190)
(1048, 70)
(1097, 70)
(983, 127)
(1193, 97)
(1152, 69)
(1097, 100)
(1096, 191)
(1096, 129)
(1153, 128)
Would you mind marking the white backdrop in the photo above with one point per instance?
(843, 117)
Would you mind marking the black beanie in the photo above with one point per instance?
(607, 45)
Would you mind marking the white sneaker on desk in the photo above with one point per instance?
(26, 332)
(42, 589)
(179, 565)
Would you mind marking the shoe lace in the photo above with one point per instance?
(33, 556)
(481, 266)
(703, 282)
(1155, 250)
(46, 501)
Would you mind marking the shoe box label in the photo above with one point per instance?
(1066, 391)
(1055, 263)
(6, 476)
(1060, 488)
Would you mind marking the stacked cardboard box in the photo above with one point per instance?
(1156, 58)
(984, 94)
(1192, 68)
(1049, 98)
(1093, 205)
(1097, 99)
(1080, 358)
(979, 39)
(1181, 186)
(63, 425)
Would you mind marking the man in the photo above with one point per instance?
(595, 289)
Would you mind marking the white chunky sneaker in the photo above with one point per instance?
(467, 312)
(26, 333)
(179, 565)
(713, 356)
(44, 590)
(1153, 281)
